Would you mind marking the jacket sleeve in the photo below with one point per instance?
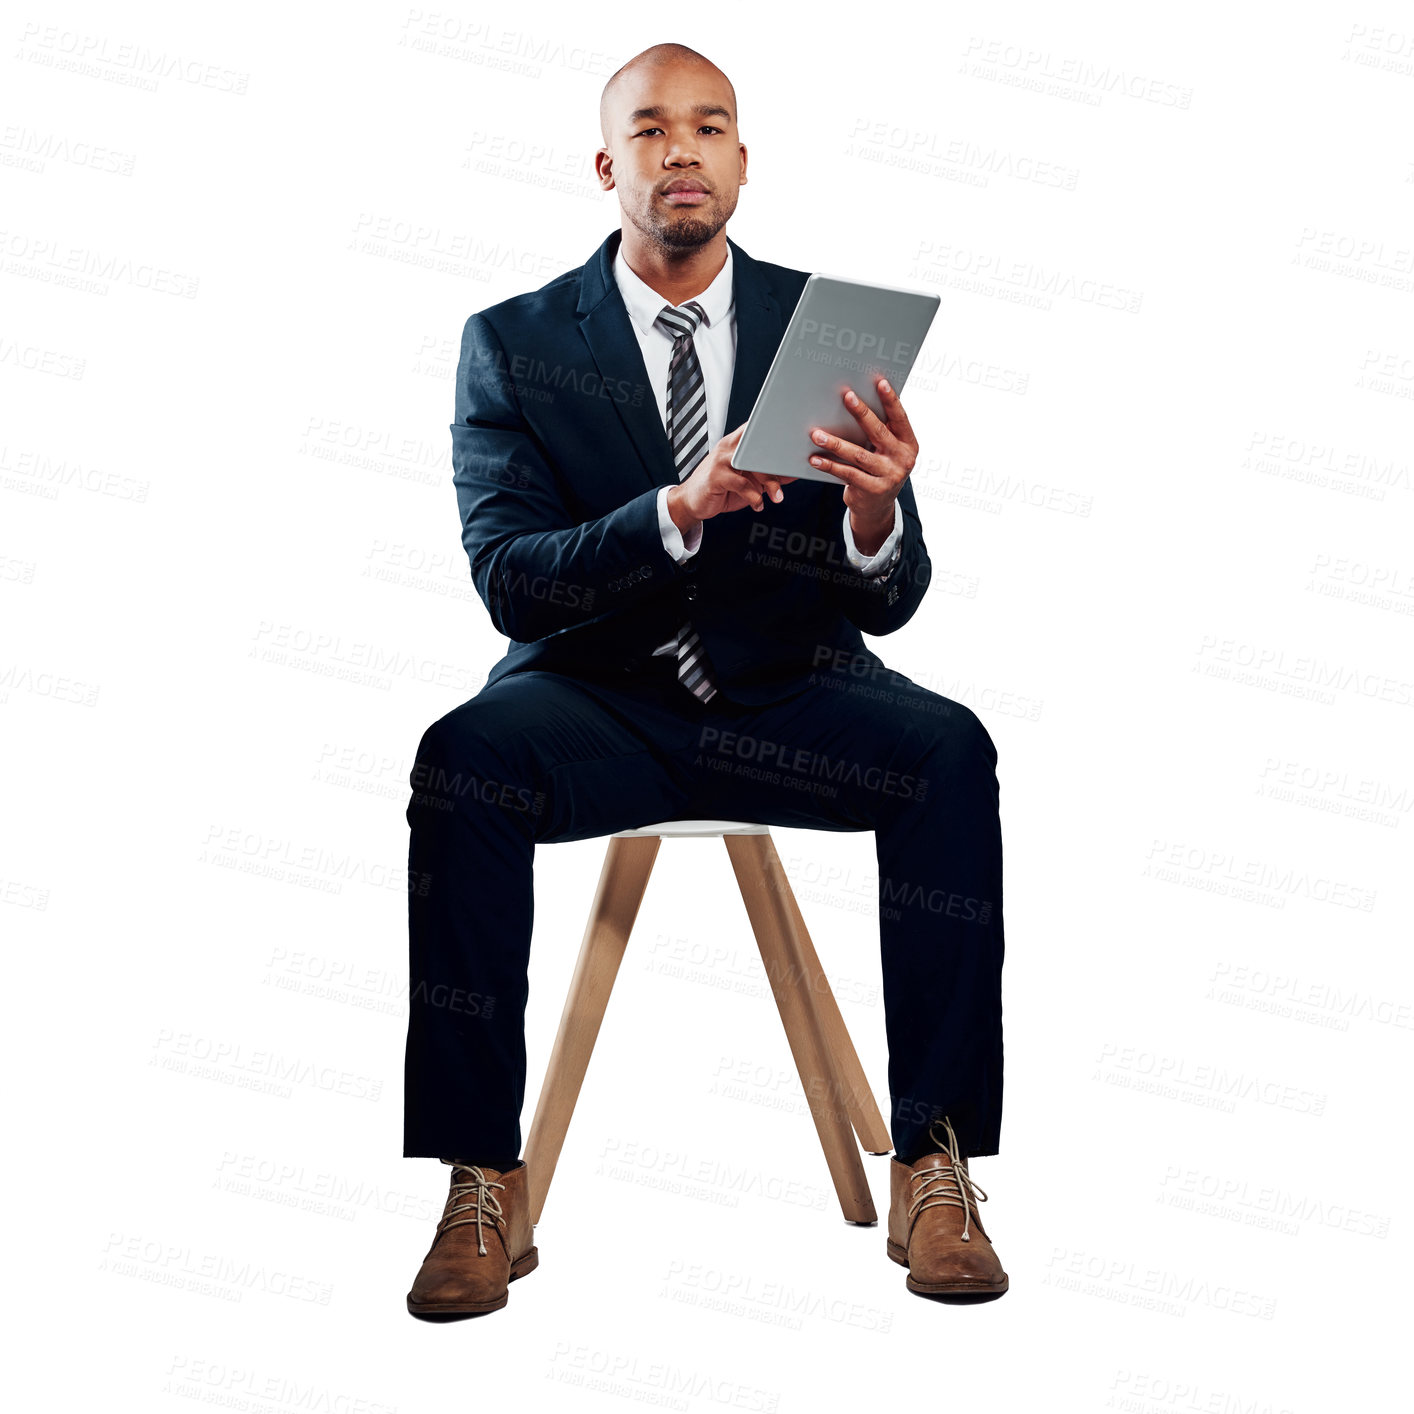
(536, 570)
(879, 604)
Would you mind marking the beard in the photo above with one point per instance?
(683, 228)
(683, 232)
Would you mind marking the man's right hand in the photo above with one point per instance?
(716, 486)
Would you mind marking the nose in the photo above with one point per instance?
(682, 153)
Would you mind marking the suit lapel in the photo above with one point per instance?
(608, 332)
(759, 329)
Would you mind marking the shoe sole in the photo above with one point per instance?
(523, 1266)
(943, 1288)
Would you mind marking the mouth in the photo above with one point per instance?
(685, 196)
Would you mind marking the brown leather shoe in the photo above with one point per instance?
(483, 1243)
(934, 1227)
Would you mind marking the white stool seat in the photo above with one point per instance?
(710, 828)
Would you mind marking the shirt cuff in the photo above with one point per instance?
(886, 554)
(673, 542)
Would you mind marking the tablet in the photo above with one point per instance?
(842, 334)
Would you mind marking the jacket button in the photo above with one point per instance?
(691, 591)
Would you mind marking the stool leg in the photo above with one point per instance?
(760, 877)
(859, 1097)
(622, 882)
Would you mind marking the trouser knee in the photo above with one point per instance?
(460, 768)
(956, 744)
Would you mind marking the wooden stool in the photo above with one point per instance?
(824, 1054)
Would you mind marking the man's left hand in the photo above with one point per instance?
(873, 476)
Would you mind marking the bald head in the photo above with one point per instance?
(656, 58)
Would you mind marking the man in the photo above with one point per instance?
(671, 620)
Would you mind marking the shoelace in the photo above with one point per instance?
(484, 1202)
(941, 1187)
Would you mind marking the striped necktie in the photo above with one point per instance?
(687, 431)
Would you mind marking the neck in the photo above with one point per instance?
(677, 273)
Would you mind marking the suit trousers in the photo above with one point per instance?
(543, 757)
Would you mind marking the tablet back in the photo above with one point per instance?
(842, 334)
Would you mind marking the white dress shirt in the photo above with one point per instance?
(715, 343)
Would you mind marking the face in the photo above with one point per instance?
(688, 142)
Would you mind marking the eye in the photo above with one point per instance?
(706, 127)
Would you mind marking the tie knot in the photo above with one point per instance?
(681, 320)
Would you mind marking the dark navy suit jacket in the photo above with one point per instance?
(558, 453)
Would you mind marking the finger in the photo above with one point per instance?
(837, 449)
(745, 486)
(899, 424)
(851, 474)
(874, 430)
(770, 484)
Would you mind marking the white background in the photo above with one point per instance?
(1165, 422)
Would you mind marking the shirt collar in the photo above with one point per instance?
(645, 304)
